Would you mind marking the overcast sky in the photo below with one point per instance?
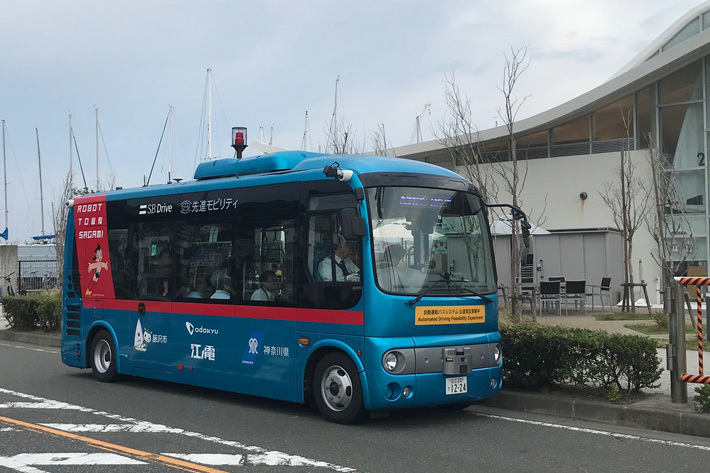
(272, 62)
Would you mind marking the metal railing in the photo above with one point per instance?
(35, 275)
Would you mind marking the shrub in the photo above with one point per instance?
(35, 311)
(538, 357)
(661, 319)
(701, 402)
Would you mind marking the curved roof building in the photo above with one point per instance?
(570, 154)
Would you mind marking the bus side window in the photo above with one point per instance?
(267, 273)
(331, 256)
(205, 263)
(154, 273)
(119, 257)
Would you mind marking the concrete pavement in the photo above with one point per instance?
(654, 410)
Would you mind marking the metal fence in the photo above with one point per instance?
(34, 275)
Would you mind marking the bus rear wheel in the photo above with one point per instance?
(103, 357)
(337, 389)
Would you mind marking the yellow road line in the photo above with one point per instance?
(119, 449)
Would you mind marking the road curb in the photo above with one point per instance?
(48, 340)
(655, 412)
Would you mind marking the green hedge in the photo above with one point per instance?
(538, 356)
(31, 312)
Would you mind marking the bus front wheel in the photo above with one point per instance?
(103, 357)
(337, 389)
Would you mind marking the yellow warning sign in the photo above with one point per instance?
(455, 314)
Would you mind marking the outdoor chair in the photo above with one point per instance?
(601, 291)
(550, 292)
(576, 291)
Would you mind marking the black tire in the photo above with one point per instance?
(337, 389)
(103, 357)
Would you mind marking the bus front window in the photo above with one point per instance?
(430, 239)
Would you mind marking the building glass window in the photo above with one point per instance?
(571, 138)
(614, 126)
(690, 30)
(646, 116)
(682, 86)
(532, 146)
(614, 121)
(575, 131)
(682, 134)
(495, 152)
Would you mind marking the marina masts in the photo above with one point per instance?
(4, 173)
(41, 195)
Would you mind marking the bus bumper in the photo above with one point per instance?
(425, 383)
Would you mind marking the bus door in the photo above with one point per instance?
(151, 310)
(266, 347)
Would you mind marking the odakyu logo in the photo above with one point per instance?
(191, 329)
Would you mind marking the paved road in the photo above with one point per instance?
(54, 419)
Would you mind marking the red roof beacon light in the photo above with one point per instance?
(239, 140)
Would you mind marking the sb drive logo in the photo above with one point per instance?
(191, 329)
(150, 209)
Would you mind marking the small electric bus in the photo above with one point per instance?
(363, 283)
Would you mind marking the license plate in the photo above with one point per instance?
(456, 385)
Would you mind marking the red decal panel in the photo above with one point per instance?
(91, 237)
(347, 317)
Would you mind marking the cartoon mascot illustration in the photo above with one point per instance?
(95, 267)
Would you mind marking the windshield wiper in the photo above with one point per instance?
(446, 277)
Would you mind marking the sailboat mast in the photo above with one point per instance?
(71, 157)
(209, 115)
(96, 110)
(170, 144)
(4, 173)
(41, 195)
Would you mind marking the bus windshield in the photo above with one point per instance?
(432, 241)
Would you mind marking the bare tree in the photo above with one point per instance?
(60, 223)
(340, 138)
(512, 182)
(59, 218)
(379, 140)
(459, 135)
(629, 201)
(668, 224)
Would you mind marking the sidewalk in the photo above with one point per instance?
(655, 411)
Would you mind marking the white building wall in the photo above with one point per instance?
(551, 197)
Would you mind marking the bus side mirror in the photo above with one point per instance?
(353, 226)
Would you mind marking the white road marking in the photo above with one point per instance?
(141, 427)
(267, 459)
(40, 405)
(7, 429)
(43, 350)
(23, 461)
(260, 454)
(596, 432)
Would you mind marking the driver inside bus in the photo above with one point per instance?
(395, 275)
(345, 268)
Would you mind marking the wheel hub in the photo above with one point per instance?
(337, 388)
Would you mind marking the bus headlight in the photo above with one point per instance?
(390, 361)
(496, 353)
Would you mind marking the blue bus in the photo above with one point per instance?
(362, 283)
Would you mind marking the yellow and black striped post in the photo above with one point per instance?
(700, 331)
(698, 282)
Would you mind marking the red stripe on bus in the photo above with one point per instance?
(346, 317)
